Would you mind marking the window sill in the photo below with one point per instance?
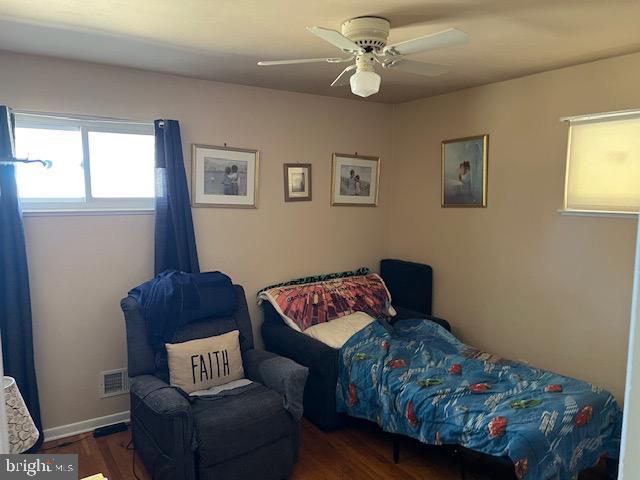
(86, 212)
(589, 213)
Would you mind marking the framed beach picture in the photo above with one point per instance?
(354, 180)
(224, 177)
(464, 171)
(297, 182)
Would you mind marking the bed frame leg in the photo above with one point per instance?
(396, 448)
(458, 455)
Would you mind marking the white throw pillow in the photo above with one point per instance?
(206, 362)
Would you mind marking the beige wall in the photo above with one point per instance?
(82, 265)
(518, 278)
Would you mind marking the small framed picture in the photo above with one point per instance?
(354, 180)
(224, 177)
(297, 182)
(464, 171)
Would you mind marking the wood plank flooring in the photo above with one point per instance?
(357, 452)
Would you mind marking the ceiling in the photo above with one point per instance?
(223, 39)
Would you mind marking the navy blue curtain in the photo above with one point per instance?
(174, 236)
(15, 301)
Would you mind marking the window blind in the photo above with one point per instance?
(603, 163)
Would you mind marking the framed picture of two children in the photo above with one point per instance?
(354, 180)
(224, 177)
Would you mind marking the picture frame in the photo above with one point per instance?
(224, 176)
(297, 182)
(464, 171)
(355, 180)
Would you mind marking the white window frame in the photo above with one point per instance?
(594, 117)
(85, 125)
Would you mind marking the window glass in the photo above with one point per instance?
(95, 164)
(65, 178)
(121, 165)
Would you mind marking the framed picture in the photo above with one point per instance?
(297, 182)
(464, 172)
(354, 180)
(224, 177)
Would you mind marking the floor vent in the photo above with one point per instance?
(114, 382)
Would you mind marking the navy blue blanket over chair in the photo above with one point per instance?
(172, 299)
(15, 301)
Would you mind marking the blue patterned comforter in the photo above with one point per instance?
(422, 382)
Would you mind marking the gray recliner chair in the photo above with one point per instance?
(247, 433)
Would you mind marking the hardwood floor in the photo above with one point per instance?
(356, 452)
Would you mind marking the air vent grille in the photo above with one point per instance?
(114, 382)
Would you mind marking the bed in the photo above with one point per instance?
(410, 286)
(415, 378)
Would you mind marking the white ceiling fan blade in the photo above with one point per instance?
(446, 38)
(303, 60)
(344, 77)
(419, 68)
(337, 39)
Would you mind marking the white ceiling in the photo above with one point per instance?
(223, 39)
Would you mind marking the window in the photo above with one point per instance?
(95, 164)
(603, 163)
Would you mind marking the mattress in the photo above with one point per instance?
(421, 381)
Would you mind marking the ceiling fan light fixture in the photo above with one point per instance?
(364, 39)
(365, 83)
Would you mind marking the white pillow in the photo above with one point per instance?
(336, 332)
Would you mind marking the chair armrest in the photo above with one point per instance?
(441, 321)
(280, 374)
(405, 313)
(303, 349)
(158, 396)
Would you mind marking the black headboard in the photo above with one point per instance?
(410, 284)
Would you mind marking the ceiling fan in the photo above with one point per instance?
(365, 40)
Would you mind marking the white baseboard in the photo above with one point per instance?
(85, 426)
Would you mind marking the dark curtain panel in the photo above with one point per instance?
(174, 236)
(15, 302)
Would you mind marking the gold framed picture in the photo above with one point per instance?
(464, 171)
(297, 182)
(355, 180)
(224, 177)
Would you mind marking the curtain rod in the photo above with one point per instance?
(602, 115)
(13, 161)
(91, 118)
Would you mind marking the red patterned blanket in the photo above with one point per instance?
(303, 306)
